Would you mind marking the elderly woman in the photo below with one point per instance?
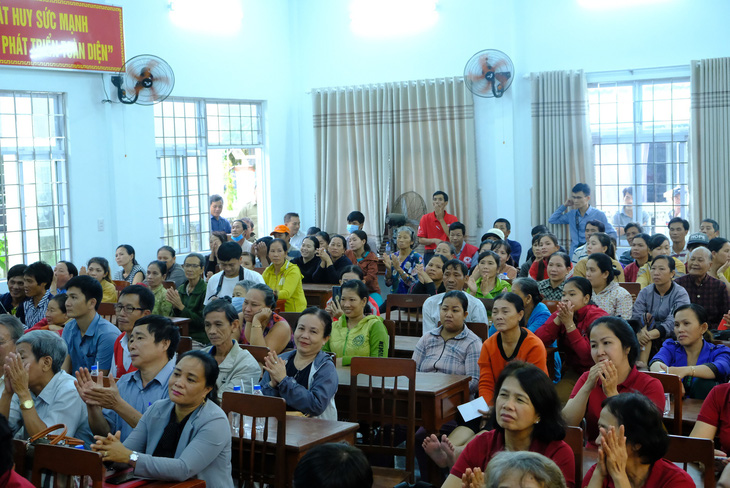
(306, 377)
(400, 266)
(187, 436)
(37, 393)
(512, 469)
(237, 366)
(187, 300)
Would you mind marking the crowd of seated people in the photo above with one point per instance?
(51, 331)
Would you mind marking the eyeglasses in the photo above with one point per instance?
(127, 308)
(191, 266)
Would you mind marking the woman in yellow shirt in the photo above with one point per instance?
(284, 277)
(98, 268)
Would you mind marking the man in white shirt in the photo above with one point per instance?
(221, 284)
(455, 276)
(296, 236)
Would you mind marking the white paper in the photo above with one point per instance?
(470, 410)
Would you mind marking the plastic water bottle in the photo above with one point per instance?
(94, 369)
(259, 420)
(503, 276)
(78, 481)
(387, 247)
(233, 417)
(667, 403)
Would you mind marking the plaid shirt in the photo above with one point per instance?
(711, 293)
(33, 313)
(548, 292)
(458, 355)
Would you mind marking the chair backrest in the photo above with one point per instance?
(108, 312)
(488, 304)
(574, 438)
(390, 327)
(280, 306)
(693, 450)
(257, 461)
(409, 316)
(67, 462)
(120, 285)
(480, 329)
(19, 447)
(291, 317)
(632, 287)
(182, 323)
(169, 285)
(382, 403)
(672, 385)
(552, 305)
(258, 352)
(185, 345)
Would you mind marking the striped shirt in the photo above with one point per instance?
(35, 313)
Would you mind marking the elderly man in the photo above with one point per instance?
(37, 393)
(703, 289)
(118, 407)
(11, 329)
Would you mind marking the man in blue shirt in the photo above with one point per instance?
(576, 212)
(217, 224)
(119, 406)
(90, 338)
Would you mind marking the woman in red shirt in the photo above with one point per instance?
(632, 442)
(548, 245)
(614, 349)
(527, 414)
(569, 325)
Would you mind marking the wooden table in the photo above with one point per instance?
(304, 433)
(317, 294)
(193, 483)
(690, 411)
(404, 346)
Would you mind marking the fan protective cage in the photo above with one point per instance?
(149, 69)
(489, 73)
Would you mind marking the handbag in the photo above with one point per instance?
(45, 437)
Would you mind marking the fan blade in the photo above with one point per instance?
(153, 93)
(476, 78)
(151, 65)
(484, 63)
(161, 79)
(503, 77)
(500, 63)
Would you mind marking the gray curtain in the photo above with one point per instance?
(376, 142)
(561, 142)
(710, 141)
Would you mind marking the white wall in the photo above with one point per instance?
(288, 47)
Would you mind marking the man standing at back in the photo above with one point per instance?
(434, 226)
(576, 212)
(217, 224)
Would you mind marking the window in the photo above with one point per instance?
(206, 147)
(640, 130)
(34, 222)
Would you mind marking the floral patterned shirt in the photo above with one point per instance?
(400, 285)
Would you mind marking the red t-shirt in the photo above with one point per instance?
(636, 382)
(430, 228)
(483, 447)
(716, 412)
(467, 253)
(663, 474)
(11, 479)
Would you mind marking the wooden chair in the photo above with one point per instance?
(291, 317)
(67, 462)
(258, 352)
(19, 447)
(574, 438)
(254, 459)
(693, 450)
(552, 305)
(185, 345)
(480, 329)
(120, 285)
(182, 323)
(672, 385)
(390, 326)
(169, 285)
(409, 320)
(632, 287)
(108, 312)
(280, 306)
(260, 270)
(488, 304)
(380, 407)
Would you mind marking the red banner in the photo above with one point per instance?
(61, 34)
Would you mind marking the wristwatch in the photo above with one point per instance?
(133, 457)
(27, 404)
